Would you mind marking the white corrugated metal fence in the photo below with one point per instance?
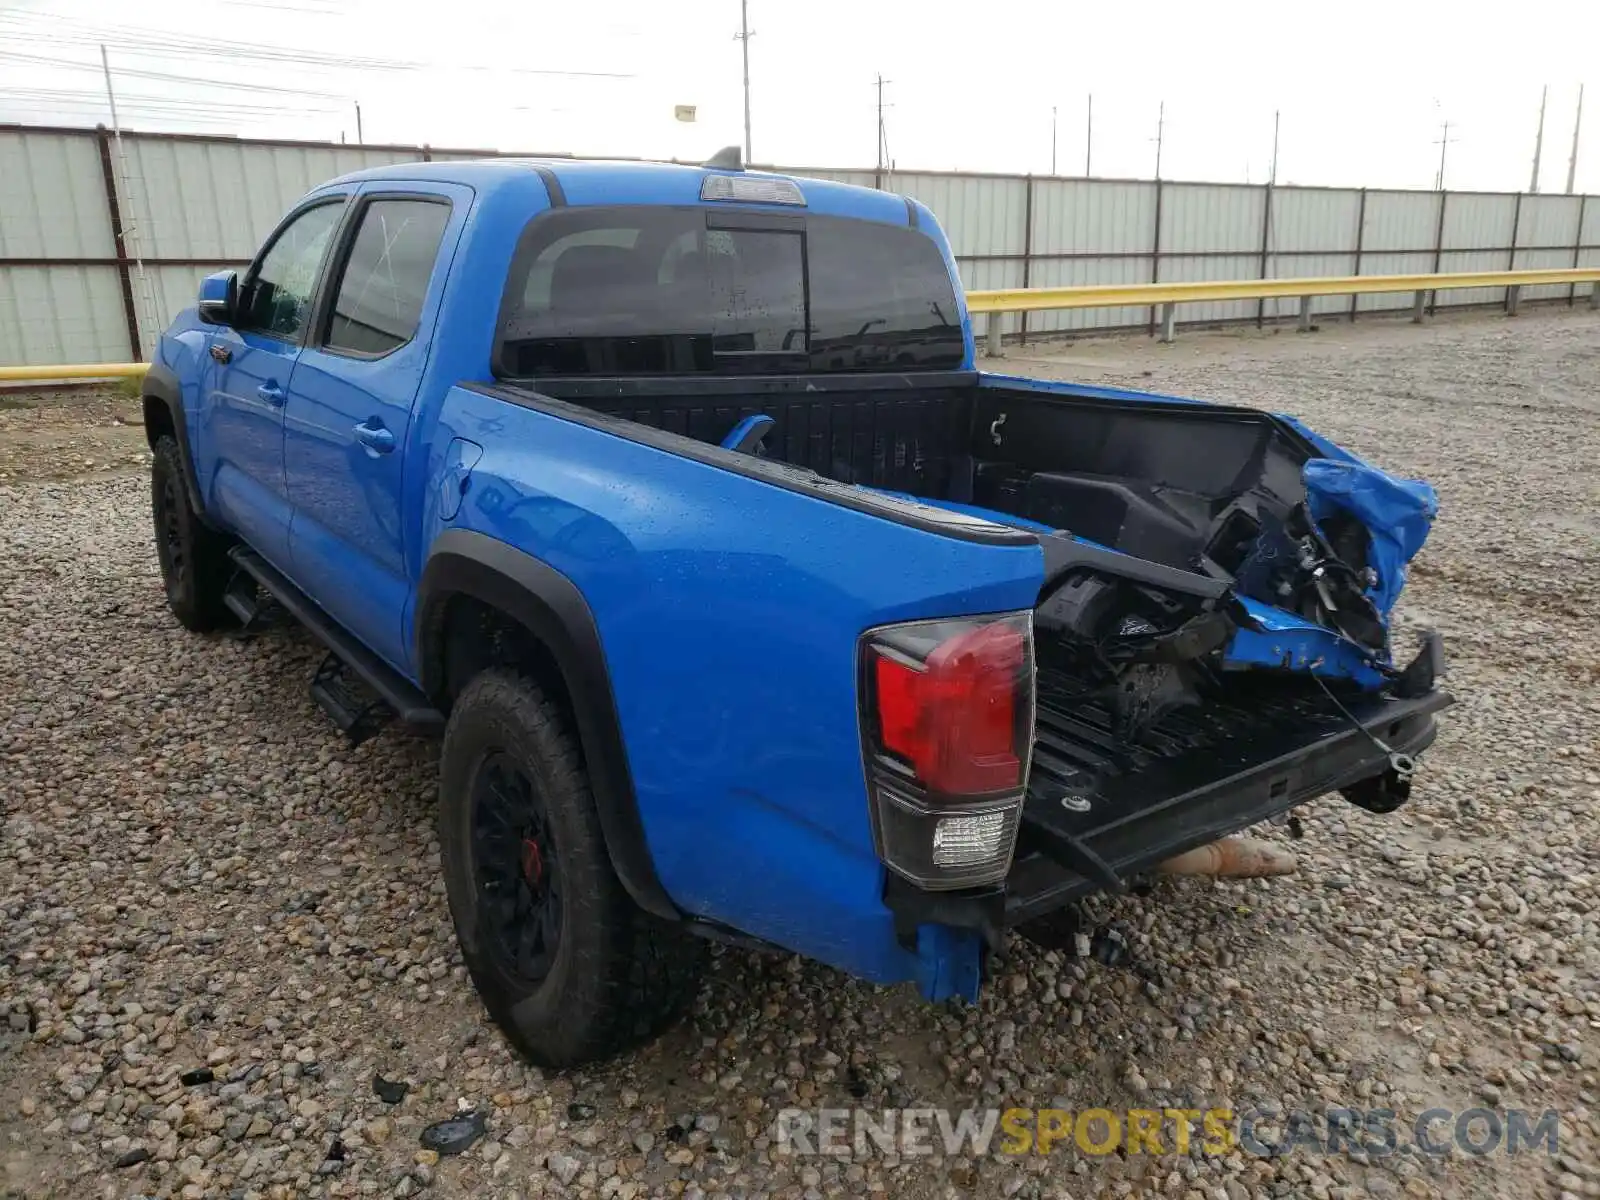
(73, 223)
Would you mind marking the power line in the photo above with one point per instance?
(140, 100)
(72, 64)
(144, 43)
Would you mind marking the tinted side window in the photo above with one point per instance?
(385, 281)
(277, 299)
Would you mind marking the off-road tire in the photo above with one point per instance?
(194, 559)
(619, 976)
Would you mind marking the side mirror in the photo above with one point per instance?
(219, 294)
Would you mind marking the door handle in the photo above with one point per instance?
(271, 393)
(375, 438)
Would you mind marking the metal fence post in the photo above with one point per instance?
(1361, 237)
(1419, 308)
(1266, 242)
(1305, 314)
(994, 334)
(1594, 295)
(1169, 321)
(1577, 245)
(1027, 255)
(108, 176)
(1438, 247)
(1514, 293)
(1155, 253)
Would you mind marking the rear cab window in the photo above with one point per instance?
(642, 290)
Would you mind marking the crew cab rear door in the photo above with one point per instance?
(347, 456)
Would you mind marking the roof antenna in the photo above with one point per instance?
(729, 158)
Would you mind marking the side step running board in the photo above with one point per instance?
(255, 609)
(403, 697)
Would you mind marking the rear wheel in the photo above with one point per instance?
(194, 559)
(567, 965)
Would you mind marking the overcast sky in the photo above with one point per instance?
(1363, 88)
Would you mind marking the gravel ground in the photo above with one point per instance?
(197, 872)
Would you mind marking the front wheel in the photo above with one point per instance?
(567, 965)
(194, 559)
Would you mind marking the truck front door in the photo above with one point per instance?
(246, 379)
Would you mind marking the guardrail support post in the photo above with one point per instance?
(992, 348)
(1419, 308)
(1513, 299)
(1169, 322)
(1305, 314)
(1594, 294)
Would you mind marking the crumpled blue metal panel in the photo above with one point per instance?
(1398, 513)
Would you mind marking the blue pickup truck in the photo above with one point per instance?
(747, 608)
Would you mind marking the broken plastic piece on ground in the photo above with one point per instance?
(455, 1135)
(578, 1111)
(134, 1157)
(197, 1076)
(1232, 858)
(390, 1091)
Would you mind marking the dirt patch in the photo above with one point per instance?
(69, 433)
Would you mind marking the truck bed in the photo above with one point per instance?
(1168, 481)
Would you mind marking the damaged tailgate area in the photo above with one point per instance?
(1104, 804)
(1153, 736)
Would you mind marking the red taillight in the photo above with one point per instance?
(954, 719)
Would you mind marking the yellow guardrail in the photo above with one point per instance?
(1166, 296)
(78, 371)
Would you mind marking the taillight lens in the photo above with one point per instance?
(954, 718)
(947, 721)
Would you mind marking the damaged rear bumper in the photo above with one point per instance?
(1098, 814)
(1135, 822)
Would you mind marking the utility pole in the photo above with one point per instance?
(1052, 139)
(883, 141)
(1444, 144)
(743, 37)
(1161, 131)
(1538, 141)
(130, 230)
(359, 139)
(1273, 177)
(1572, 160)
(1088, 139)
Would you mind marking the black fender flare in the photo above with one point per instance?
(161, 385)
(552, 609)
